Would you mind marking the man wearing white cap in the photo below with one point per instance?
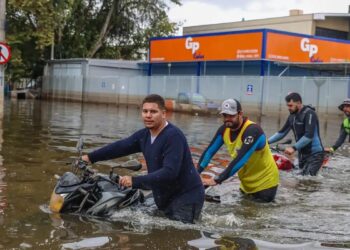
(344, 128)
(251, 156)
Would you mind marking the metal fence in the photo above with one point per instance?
(259, 94)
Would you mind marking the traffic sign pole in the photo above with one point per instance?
(2, 69)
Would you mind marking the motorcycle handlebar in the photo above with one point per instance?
(278, 148)
(82, 165)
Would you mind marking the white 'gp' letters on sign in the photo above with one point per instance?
(306, 46)
(189, 44)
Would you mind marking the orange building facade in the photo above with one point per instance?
(264, 50)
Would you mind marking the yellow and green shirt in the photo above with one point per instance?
(251, 157)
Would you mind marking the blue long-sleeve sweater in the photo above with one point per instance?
(171, 173)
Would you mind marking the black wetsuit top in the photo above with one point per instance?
(306, 131)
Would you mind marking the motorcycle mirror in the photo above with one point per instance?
(80, 145)
(133, 165)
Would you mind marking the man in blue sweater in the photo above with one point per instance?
(172, 177)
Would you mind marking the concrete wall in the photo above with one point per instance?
(303, 24)
(63, 87)
(257, 94)
(299, 24)
(86, 79)
(334, 24)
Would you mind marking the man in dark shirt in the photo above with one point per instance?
(304, 123)
(176, 185)
(344, 127)
(251, 156)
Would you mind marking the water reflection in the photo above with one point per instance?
(40, 137)
(308, 185)
(213, 242)
(209, 241)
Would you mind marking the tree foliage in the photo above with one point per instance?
(113, 29)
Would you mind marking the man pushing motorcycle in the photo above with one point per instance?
(303, 121)
(251, 156)
(177, 188)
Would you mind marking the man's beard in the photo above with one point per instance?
(232, 125)
(294, 111)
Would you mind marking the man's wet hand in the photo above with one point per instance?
(289, 151)
(209, 181)
(125, 181)
(329, 150)
(85, 158)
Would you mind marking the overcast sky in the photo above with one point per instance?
(198, 12)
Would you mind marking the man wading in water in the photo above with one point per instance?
(251, 156)
(177, 188)
(304, 123)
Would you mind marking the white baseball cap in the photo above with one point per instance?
(230, 107)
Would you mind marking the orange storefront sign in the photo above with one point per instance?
(221, 47)
(292, 48)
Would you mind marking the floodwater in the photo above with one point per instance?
(38, 138)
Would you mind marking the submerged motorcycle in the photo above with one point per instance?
(287, 163)
(84, 191)
(283, 162)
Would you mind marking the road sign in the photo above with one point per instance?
(5, 53)
(249, 89)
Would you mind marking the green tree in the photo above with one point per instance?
(113, 29)
(31, 27)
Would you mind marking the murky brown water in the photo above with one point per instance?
(39, 137)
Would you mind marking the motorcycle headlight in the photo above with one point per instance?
(56, 202)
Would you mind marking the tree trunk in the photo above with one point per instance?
(103, 32)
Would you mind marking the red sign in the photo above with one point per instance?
(5, 53)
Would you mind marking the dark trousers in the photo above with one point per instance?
(311, 164)
(266, 195)
(187, 213)
(186, 207)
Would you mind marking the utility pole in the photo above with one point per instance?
(2, 39)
